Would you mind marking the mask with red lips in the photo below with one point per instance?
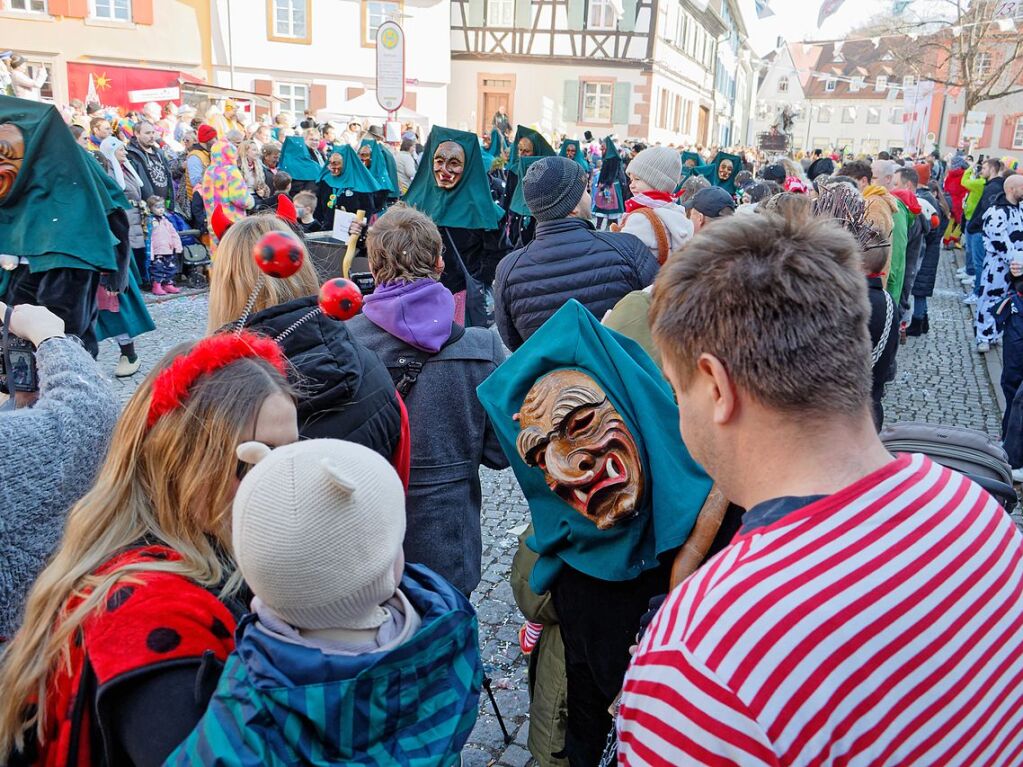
(579, 440)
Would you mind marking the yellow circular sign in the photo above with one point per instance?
(389, 38)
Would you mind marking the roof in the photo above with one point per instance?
(855, 58)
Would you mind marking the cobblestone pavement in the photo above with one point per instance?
(941, 379)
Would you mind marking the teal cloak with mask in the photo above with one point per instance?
(54, 214)
(686, 170)
(710, 172)
(354, 175)
(580, 155)
(382, 167)
(540, 147)
(675, 485)
(296, 161)
(467, 206)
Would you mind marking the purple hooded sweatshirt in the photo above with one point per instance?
(420, 313)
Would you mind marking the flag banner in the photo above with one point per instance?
(763, 9)
(828, 8)
(899, 6)
(916, 105)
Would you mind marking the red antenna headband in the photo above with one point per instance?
(172, 386)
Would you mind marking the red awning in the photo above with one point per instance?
(128, 87)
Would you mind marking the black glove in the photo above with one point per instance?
(652, 607)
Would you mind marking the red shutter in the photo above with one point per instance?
(1008, 128)
(410, 100)
(142, 11)
(955, 129)
(58, 7)
(351, 93)
(78, 9)
(317, 97)
(989, 128)
(263, 88)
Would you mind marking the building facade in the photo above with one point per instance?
(123, 46)
(320, 55)
(641, 69)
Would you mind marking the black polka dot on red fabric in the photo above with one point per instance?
(163, 640)
(117, 598)
(219, 630)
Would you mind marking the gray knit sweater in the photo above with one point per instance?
(48, 459)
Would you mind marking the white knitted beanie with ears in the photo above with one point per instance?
(317, 529)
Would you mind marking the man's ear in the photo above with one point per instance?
(722, 389)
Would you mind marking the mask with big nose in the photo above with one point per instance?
(572, 432)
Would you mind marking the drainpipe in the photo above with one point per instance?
(230, 46)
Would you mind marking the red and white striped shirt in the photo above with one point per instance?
(881, 625)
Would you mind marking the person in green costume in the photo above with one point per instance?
(722, 171)
(302, 160)
(346, 184)
(382, 166)
(528, 143)
(573, 150)
(54, 197)
(451, 186)
(587, 422)
(690, 161)
(610, 187)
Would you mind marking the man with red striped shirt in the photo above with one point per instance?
(870, 611)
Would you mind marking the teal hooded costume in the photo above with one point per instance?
(580, 155)
(498, 143)
(296, 160)
(710, 172)
(354, 189)
(467, 206)
(518, 199)
(540, 146)
(686, 170)
(382, 167)
(608, 194)
(675, 486)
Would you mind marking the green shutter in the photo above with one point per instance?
(576, 11)
(523, 14)
(628, 20)
(571, 104)
(622, 104)
(474, 13)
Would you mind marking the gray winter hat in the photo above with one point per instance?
(552, 187)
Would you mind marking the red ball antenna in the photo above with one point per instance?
(340, 298)
(279, 254)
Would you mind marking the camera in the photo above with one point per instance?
(17, 362)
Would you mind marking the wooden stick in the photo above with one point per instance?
(695, 549)
(353, 241)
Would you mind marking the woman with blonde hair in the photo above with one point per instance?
(345, 391)
(125, 631)
(251, 166)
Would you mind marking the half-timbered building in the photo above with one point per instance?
(658, 70)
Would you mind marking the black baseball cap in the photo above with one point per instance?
(774, 172)
(711, 201)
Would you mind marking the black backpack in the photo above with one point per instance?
(405, 372)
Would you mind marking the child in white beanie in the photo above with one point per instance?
(350, 656)
(652, 213)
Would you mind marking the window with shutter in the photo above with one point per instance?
(955, 128)
(570, 103)
(989, 129)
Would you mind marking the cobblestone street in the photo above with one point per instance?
(941, 379)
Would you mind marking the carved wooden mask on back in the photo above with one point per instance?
(12, 153)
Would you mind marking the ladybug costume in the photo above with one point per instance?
(153, 623)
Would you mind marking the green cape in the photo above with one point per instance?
(540, 147)
(502, 142)
(580, 155)
(518, 200)
(382, 166)
(710, 172)
(686, 170)
(296, 162)
(354, 175)
(675, 485)
(467, 206)
(50, 215)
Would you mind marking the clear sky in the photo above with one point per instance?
(796, 20)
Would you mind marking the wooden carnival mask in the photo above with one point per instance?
(448, 164)
(579, 440)
(12, 153)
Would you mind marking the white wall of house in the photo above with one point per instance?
(332, 49)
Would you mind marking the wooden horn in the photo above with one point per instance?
(353, 241)
(695, 549)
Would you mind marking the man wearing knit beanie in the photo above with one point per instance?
(652, 213)
(345, 655)
(567, 258)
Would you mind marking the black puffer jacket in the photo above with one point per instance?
(345, 392)
(992, 190)
(923, 285)
(568, 259)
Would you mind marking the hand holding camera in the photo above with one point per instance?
(33, 323)
(22, 328)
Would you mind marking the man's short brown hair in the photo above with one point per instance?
(403, 245)
(782, 303)
(94, 123)
(856, 170)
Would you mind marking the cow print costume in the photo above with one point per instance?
(1003, 243)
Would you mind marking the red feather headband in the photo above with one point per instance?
(171, 387)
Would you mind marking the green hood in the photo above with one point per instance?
(354, 175)
(675, 485)
(580, 155)
(51, 212)
(295, 160)
(518, 200)
(498, 143)
(382, 166)
(686, 170)
(710, 172)
(540, 147)
(467, 206)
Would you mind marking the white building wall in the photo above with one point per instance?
(335, 56)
